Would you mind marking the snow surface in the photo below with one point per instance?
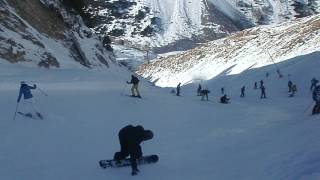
(249, 139)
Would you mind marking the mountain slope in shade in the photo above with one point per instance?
(44, 34)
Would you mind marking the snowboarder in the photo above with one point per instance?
(130, 138)
(224, 99)
(290, 86)
(316, 98)
(314, 82)
(135, 82)
(243, 88)
(199, 90)
(263, 92)
(222, 90)
(204, 93)
(255, 85)
(28, 105)
(178, 89)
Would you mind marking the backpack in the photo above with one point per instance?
(135, 80)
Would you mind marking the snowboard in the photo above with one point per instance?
(126, 162)
(28, 115)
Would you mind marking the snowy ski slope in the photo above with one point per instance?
(249, 139)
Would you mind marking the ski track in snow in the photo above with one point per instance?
(248, 139)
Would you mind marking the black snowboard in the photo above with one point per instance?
(126, 162)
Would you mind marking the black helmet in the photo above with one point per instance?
(147, 135)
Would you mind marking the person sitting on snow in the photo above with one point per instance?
(224, 99)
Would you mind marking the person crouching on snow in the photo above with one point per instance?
(28, 105)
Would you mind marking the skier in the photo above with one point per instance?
(199, 90)
(316, 98)
(255, 85)
(293, 90)
(28, 104)
(243, 88)
(263, 92)
(222, 90)
(290, 86)
(267, 74)
(204, 93)
(130, 138)
(261, 83)
(314, 82)
(224, 99)
(279, 73)
(135, 82)
(178, 89)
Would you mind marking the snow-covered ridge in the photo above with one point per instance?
(169, 24)
(156, 23)
(239, 52)
(44, 34)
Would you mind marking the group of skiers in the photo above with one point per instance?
(292, 89)
(130, 137)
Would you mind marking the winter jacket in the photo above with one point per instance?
(134, 80)
(26, 91)
(316, 94)
(130, 139)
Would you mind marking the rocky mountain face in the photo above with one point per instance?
(168, 25)
(151, 23)
(251, 48)
(43, 33)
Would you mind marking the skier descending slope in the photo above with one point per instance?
(316, 98)
(178, 89)
(28, 105)
(130, 138)
(135, 83)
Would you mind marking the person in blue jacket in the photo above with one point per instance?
(28, 105)
(316, 98)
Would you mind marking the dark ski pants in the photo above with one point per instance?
(203, 95)
(316, 108)
(134, 152)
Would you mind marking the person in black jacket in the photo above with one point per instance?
(135, 82)
(204, 93)
(178, 89)
(130, 138)
(316, 98)
(224, 99)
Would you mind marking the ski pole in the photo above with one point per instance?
(123, 89)
(15, 113)
(308, 108)
(42, 91)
